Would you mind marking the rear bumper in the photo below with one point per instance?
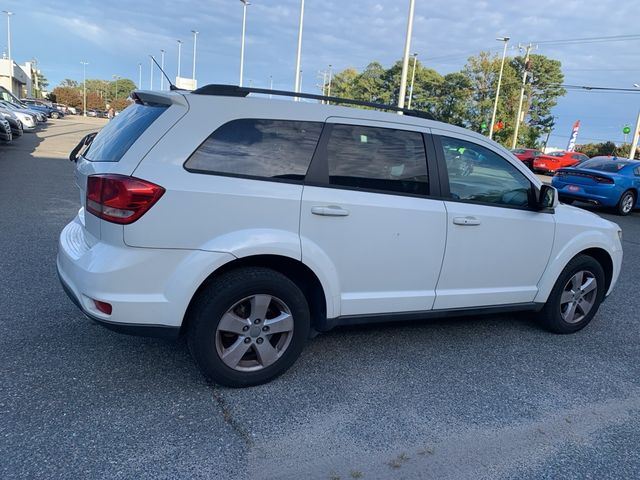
(158, 331)
(149, 289)
(608, 197)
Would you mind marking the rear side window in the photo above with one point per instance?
(373, 158)
(278, 149)
(119, 134)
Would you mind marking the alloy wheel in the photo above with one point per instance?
(578, 296)
(254, 333)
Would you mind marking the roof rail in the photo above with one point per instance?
(236, 91)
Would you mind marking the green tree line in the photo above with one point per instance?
(100, 93)
(466, 97)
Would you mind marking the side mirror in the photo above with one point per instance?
(548, 197)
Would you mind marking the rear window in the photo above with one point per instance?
(119, 134)
(277, 149)
(604, 165)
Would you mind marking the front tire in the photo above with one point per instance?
(248, 326)
(626, 203)
(55, 115)
(575, 297)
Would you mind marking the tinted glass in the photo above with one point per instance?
(556, 154)
(637, 172)
(258, 148)
(382, 159)
(119, 134)
(604, 165)
(480, 175)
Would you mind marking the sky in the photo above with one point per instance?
(115, 36)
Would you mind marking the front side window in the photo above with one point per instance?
(277, 149)
(477, 174)
(381, 159)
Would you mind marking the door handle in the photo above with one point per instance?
(466, 221)
(330, 211)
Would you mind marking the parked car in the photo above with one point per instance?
(606, 181)
(550, 162)
(248, 223)
(23, 113)
(5, 131)
(14, 122)
(49, 111)
(526, 155)
(27, 121)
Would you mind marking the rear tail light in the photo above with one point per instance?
(604, 180)
(120, 199)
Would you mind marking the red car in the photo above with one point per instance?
(526, 155)
(551, 162)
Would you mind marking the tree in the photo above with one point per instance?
(542, 92)
(95, 101)
(124, 88)
(67, 82)
(120, 104)
(68, 96)
(453, 97)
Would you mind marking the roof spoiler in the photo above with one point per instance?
(148, 97)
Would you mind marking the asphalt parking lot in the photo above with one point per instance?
(490, 397)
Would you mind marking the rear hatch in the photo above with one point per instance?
(122, 144)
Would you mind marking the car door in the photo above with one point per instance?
(497, 245)
(369, 215)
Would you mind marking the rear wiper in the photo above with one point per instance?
(82, 144)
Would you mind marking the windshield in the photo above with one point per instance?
(119, 134)
(611, 166)
(556, 154)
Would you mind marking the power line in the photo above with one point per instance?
(611, 38)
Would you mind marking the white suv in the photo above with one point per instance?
(248, 223)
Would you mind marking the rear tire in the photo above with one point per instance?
(248, 326)
(576, 296)
(55, 115)
(626, 203)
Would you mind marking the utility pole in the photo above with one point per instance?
(299, 51)
(330, 78)
(162, 69)
(405, 59)
(244, 26)
(116, 77)
(270, 85)
(139, 75)
(84, 88)
(8, 14)
(524, 83)
(413, 77)
(495, 105)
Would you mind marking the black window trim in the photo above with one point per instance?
(444, 179)
(254, 177)
(318, 172)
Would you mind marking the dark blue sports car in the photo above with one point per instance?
(606, 181)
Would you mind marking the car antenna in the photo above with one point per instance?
(171, 85)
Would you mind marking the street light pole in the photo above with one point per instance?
(8, 14)
(405, 59)
(179, 58)
(84, 87)
(524, 83)
(299, 51)
(195, 40)
(495, 104)
(162, 68)
(139, 75)
(413, 77)
(245, 3)
(151, 72)
(116, 79)
(330, 78)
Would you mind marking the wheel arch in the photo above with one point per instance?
(295, 270)
(605, 261)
